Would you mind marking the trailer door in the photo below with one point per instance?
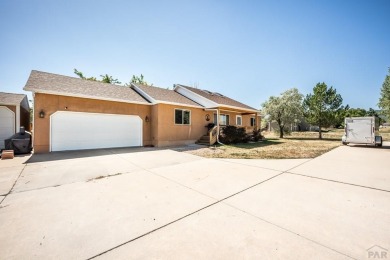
(360, 131)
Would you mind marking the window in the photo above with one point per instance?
(182, 117)
(253, 121)
(238, 120)
(223, 119)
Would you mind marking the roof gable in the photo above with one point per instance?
(13, 99)
(43, 82)
(161, 95)
(212, 99)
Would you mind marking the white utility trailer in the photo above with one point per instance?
(362, 130)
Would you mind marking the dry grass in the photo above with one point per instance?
(385, 133)
(295, 146)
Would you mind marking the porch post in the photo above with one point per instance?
(218, 121)
(255, 126)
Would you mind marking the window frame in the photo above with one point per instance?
(253, 121)
(182, 111)
(239, 117)
(226, 115)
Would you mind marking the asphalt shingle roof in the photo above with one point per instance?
(167, 95)
(69, 86)
(218, 98)
(11, 98)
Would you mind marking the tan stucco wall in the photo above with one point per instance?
(167, 133)
(161, 129)
(52, 103)
(246, 119)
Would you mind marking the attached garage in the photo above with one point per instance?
(79, 130)
(7, 124)
(14, 113)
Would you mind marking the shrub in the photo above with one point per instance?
(256, 135)
(233, 135)
(210, 126)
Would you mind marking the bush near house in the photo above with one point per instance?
(234, 135)
(256, 135)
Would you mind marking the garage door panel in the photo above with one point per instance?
(7, 124)
(74, 131)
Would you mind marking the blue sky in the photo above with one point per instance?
(248, 50)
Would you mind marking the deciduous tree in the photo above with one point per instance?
(138, 80)
(105, 78)
(284, 109)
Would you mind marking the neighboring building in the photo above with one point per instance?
(300, 126)
(72, 113)
(14, 113)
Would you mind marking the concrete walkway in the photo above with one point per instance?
(151, 203)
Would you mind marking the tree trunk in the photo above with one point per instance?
(319, 132)
(281, 131)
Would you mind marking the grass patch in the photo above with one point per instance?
(298, 145)
(385, 133)
(295, 146)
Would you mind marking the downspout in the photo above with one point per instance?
(217, 110)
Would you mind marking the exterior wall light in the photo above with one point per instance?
(41, 114)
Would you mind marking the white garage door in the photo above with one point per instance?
(7, 124)
(75, 131)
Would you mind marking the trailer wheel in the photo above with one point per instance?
(344, 143)
(379, 144)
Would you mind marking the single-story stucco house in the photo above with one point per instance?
(72, 114)
(14, 113)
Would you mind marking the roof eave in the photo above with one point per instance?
(178, 104)
(210, 102)
(237, 108)
(216, 104)
(35, 90)
(143, 93)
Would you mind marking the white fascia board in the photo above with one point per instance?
(156, 101)
(143, 93)
(236, 111)
(205, 101)
(85, 96)
(240, 108)
(177, 104)
(195, 97)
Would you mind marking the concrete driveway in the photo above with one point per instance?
(166, 204)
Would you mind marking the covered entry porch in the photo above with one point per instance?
(221, 117)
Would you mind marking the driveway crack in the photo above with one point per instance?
(194, 212)
(287, 230)
(336, 181)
